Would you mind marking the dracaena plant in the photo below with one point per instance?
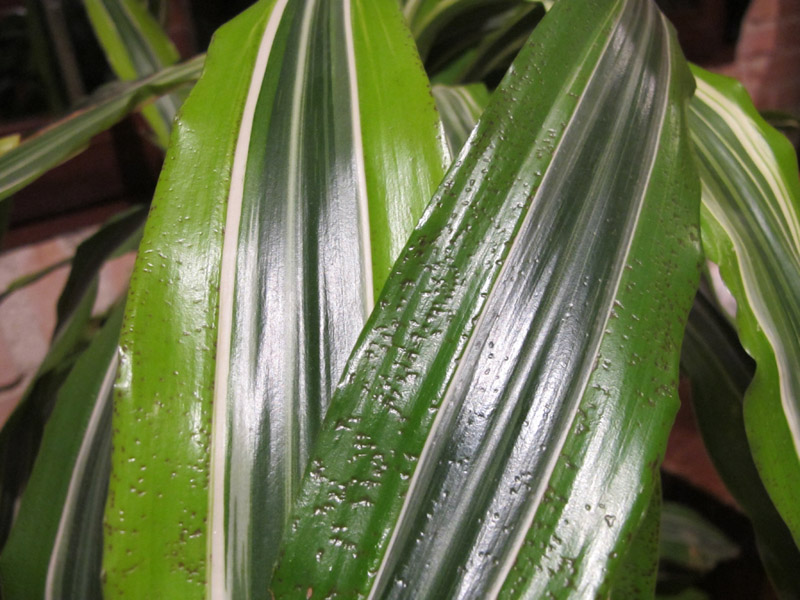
(369, 352)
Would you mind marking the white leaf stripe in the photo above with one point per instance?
(219, 569)
(435, 298)
(757, 151)
(313, 283)
(787, 367)
(61, 544)
(767, 245)
(355, 117)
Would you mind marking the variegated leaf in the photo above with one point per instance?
(751, 229)
(460, 107)
(498, 427)
(720, 372)
(303, 158)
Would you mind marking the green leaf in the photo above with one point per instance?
(637, 576)
(7, 143)
(62, 140)
(460, 107)
(118, 235)
(720, 372)
(751, 229)
(21, 435)
(136, 46)
(301, 161)
(54, 549)
(498, 427)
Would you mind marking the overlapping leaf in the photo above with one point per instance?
(302, 160)
(429, 18)
(499, 424)
(751, 228)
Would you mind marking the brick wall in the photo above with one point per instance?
(767, 57)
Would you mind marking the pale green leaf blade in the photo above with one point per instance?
(55, 144)
(327, 147)
(720, 372)
(751, 229)
(136, 46)
(21, 434)
(460, 107)
(55, 547)
(499, 424)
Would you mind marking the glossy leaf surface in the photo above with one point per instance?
(751, 229)
(58, 142)
(55, 547)
(427, 19)
(272, 241)
(499, 423)
(491, 53)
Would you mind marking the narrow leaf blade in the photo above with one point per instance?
(460, 107)
(720, 373)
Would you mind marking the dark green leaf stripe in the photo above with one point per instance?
(54, 549)
(533, 318)
(498, 47)
(720, 372)
(751, 228)
(52, 146)
(137, 46)
(272, 240)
